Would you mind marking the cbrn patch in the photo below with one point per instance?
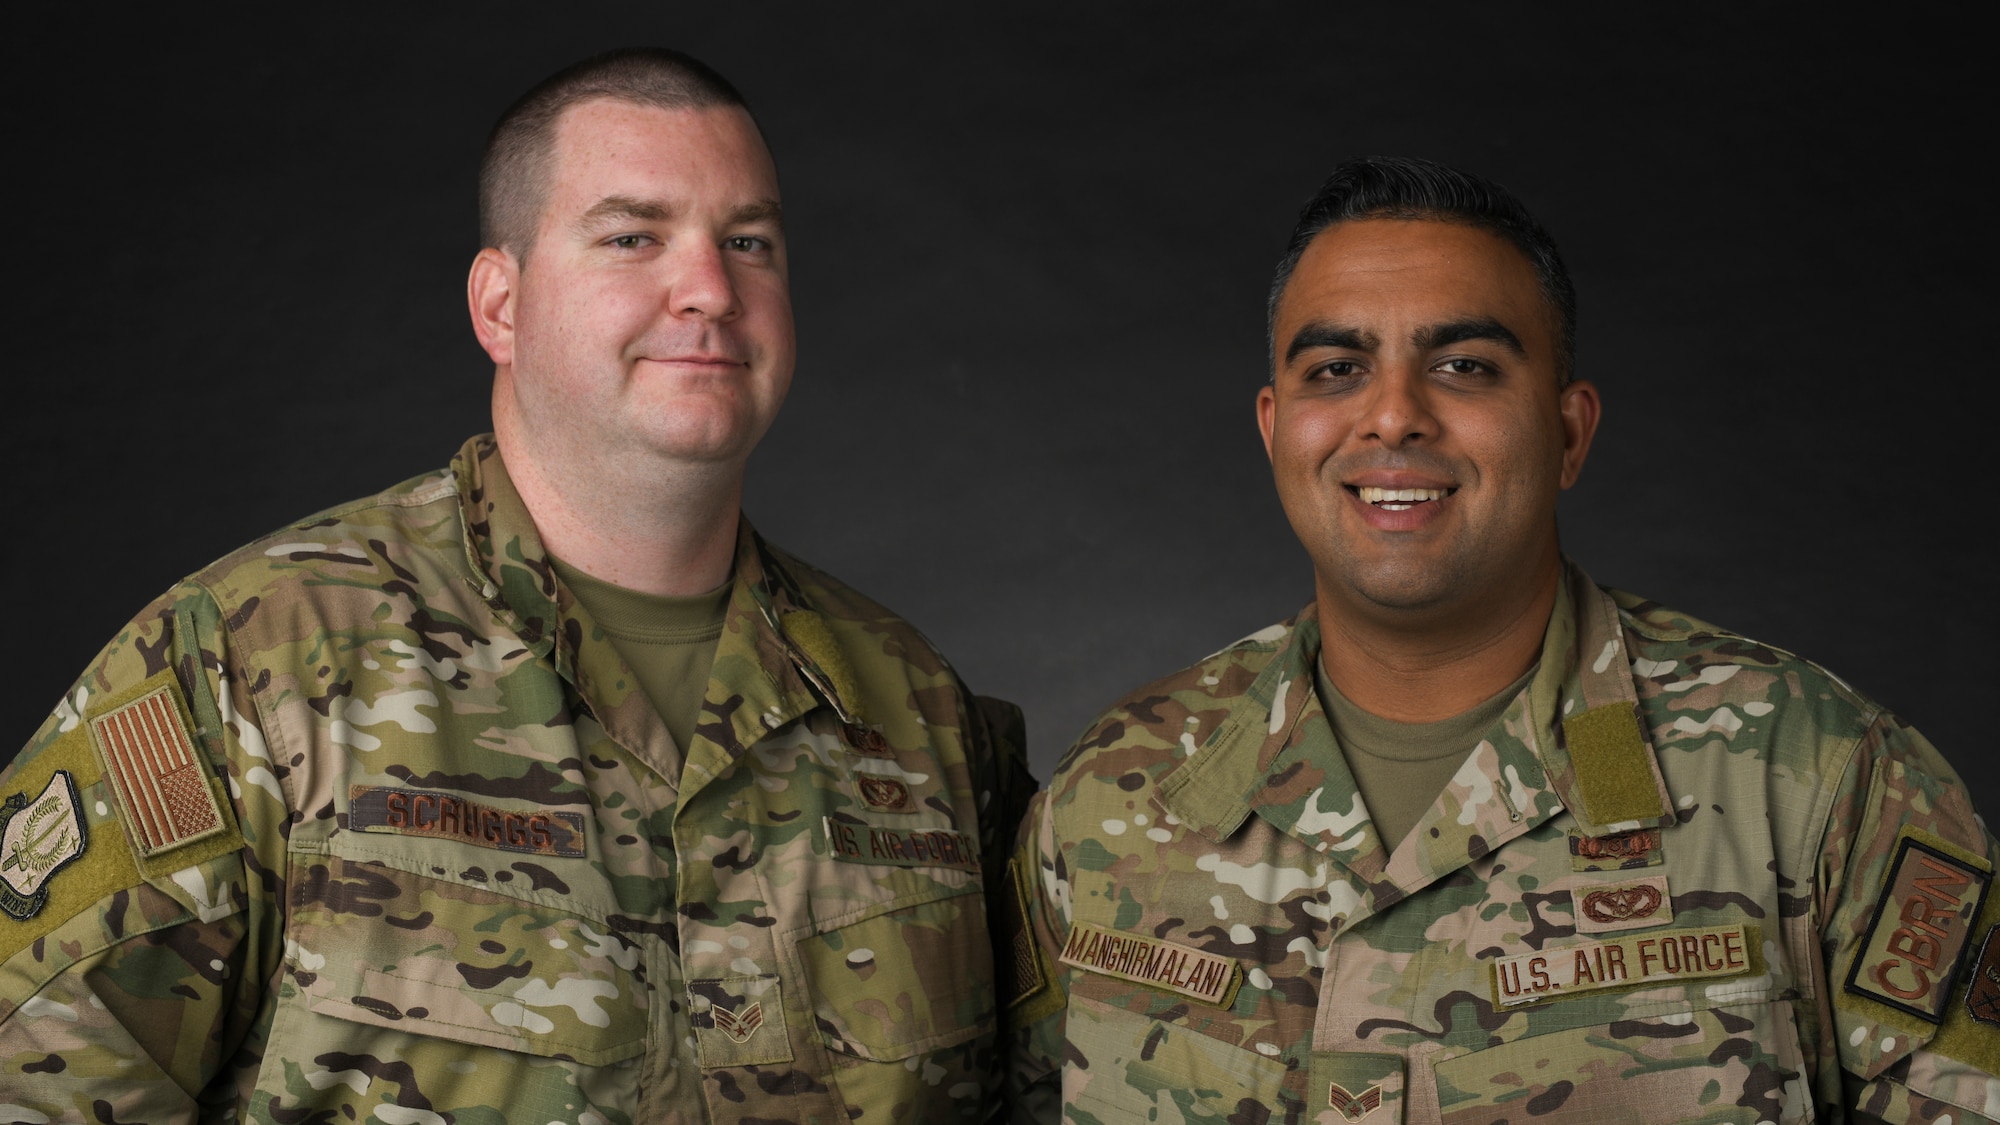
(38, 837)
(1921, 927)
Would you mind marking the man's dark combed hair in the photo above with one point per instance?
(515, 173)
(1404, 187)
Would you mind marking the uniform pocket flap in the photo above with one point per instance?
(394, 950)
(913, 978)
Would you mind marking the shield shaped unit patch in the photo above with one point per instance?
(150, 761)
(39, 836)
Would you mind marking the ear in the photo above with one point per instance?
(490, 292)
(1267, 414)
(1580, 408)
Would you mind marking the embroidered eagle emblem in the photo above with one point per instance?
(739, 1026)
(1354, 1107)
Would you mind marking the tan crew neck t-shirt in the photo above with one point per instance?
(668, 642)
(1401, 768)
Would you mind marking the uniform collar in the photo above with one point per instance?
(1561, 745)
(770, 682)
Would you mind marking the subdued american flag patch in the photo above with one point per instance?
(150, 761)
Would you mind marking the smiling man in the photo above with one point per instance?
(1470, 838)
(540, 788)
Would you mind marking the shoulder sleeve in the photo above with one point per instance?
(141, 871)
(1908, 923)
(1035, 1000)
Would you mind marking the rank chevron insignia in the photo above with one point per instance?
(1354, 1107)
(741, 1027)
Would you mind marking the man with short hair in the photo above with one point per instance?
(1470, 838)
(541, 788)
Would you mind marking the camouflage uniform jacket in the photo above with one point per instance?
(368, 822)
(1600, 919)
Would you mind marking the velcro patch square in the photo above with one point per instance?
(1922, 924)
(149, 758)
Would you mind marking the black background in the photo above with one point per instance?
(1029, 258)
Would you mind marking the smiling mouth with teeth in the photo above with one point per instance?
(1400, 499)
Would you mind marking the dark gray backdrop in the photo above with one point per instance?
(1030, 254)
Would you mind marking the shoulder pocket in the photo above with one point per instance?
(389, 949)
(909, 978)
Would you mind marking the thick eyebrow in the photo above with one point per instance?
(1325, 334)
(1433, 336)
(613, 207)
(762, 211)
(624, 207)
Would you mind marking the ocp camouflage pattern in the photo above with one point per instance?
(1452, 979)
(609, 930)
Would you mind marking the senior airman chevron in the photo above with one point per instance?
(1161, 964)
(1623, 962)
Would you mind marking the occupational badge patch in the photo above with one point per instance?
(150, 761)
(38, 837)
(884, 794)
(1618, 851)
(1982, 992)
(1921, 927)
(1632, 905)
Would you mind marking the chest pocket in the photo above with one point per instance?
(1129, 1069)
(912, 977)
(1738, 1063)
(381, 947)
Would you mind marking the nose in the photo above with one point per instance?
(1398, 410)
(701, 285)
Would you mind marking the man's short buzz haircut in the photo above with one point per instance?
(515, 173)
(1403, 187)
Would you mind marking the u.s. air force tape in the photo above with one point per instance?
(1623, 962)
(899, 847)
